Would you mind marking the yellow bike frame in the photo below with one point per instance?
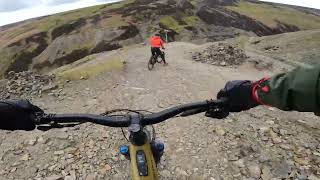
(145, 151)
(144, 154)
(152, 168)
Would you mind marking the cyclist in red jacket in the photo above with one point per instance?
(156, 43)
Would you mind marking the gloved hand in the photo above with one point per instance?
(18, 115)
(239, 95)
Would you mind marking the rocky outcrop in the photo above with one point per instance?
(70, 48)
(184, 5)
(67, 28)
(129, 32)
(26, 84)
(26, 49)
(104, 46)
(221, 54)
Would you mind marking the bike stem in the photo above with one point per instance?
(137, 136)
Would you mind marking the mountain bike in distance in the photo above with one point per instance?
(155, 59)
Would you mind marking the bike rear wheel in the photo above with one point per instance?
(151, 63)
(159, 59)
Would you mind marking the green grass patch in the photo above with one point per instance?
(5, 61)
(88, 70)
(194, 2)
(241, 41)
(114, 21)
(21, 30)
(118, 4)
(301, 46)
(269, 15)
(85, 46)
(190, 20)
(309, 39)
(170, 22)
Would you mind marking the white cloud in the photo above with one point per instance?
(305, 3)
(20, 10)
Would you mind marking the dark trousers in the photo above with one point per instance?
(156, 51)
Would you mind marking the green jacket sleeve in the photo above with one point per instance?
(296, 90)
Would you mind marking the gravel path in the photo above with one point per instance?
(262, 143)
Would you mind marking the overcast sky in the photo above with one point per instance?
(306, 3)
(17, 10)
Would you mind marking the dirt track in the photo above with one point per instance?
(261, 143)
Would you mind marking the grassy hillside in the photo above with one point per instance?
(71, 18)
(300, 47)
(22, 42)
(271, 15)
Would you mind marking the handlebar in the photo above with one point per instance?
(112, 121)
(171, 112)
(125, 121)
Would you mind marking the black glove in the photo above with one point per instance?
(18, 115)
(239, 95)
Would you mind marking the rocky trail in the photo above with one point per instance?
(263, 143)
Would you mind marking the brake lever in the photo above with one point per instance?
(43, 124)
(219, 111)
(40, 118)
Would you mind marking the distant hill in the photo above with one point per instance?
(45, 43)
(295, 48)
